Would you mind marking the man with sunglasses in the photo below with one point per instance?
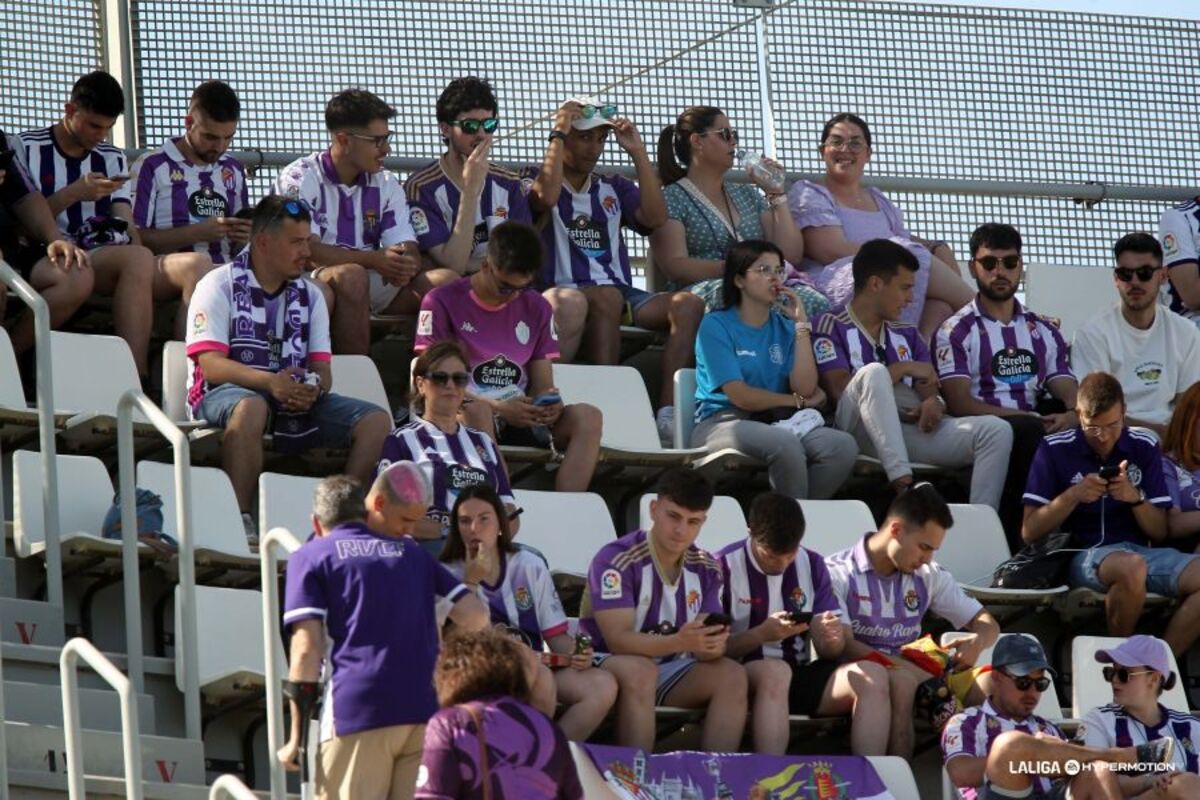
(1155, 356)
(507, 332)
(995, 357)
(878, 373)
(363, 248)
(460, 198)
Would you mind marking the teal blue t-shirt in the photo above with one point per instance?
(728, 349)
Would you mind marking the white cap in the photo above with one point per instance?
(587, 123)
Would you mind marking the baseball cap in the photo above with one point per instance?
(1019, 655)
(1137, 651)
(594, 121)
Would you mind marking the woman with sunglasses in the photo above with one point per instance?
(517, 588)
(707, 212)
(838, 215)
(756, 380)
(453, 455)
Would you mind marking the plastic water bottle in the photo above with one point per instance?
(757, 165)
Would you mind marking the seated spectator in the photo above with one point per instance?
(878, 373)
(363, 602)
(587, 264)
(1156, 357)
(487, 741)
(1139, 672)
(888, 581)
(259, 339)
(708, 213)
(770, 580)
(508, 335)
(646, 604)
(459, 199)
(454, 456)
(364, 249)
(994, 357)
(1181, 468)
(1103, 483)
(517, 588)
(1179, 234)
(94, 209)
(188, 193)
(32, 244)
(839, 216)
(990, 749)
(755, 374)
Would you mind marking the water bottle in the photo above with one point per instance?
(757, 165)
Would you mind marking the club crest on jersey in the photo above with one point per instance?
(176, 175)
(419, 222)
(522, 332)
(993, 724)
(228, 177)
(776, 354)
(1134, 473)
(693, 600)
(799, 599)
(501, 212)
(609, 204)
(610, 585)
(911, 601)
(902, 352)
(823, 351)
(524, 601)
(370, 219)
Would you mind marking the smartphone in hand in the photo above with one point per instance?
(547, 399)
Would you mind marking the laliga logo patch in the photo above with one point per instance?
(1170, 244)
(524, 601)
(419, 222)
(199, 323)
(610, 585)
(823, 351)
(911, 601)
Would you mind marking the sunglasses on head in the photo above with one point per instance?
(295, 209)
(472, 126)
(606, 111)
(989, 263)
(442, 378)
(728, 135)
(1024, 683)
(1144, 273)
(1122, 674)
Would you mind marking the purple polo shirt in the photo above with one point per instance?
(840, 344)
(376, 596)
(1063, 459)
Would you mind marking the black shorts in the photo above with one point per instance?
(808, 684)
(22, 257)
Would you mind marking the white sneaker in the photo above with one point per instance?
(665, 421)
(251, 530)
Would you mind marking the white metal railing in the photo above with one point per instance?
(276, 539)
(187, 640)
(3, 739)
(230, 786)
(131, 743)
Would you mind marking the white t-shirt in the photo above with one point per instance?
(1179, 233)
(1153, 366)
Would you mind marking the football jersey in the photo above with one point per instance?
(171, 192)
(1112, 726)
(838, 343)
(886, 611)
(52, 170)
(523, 596)
(1179, 234)
(974, 731)
(368, 215)
(751, 595)
(1182, 485)
(625, 574)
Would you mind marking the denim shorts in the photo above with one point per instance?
(1164, 565)
(670, 673)
(635, 298)
(334, 415)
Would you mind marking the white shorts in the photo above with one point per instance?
(379, 294)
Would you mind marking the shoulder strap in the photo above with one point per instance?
(485, 772)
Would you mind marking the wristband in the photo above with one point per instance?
(803, 327)
(305, 694)
(557, 135)
(801, 400)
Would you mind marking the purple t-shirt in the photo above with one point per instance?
(624, 574)
(528, 756)
(840, 344)
(376, 596)
(1063, 459)
(500, 341)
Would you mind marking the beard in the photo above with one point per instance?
(996, 296)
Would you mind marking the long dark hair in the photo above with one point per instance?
(846, 116)
(675, 144)
(454, 549)
(738, 260)
(437, 353)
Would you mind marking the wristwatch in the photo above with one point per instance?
(557, 135)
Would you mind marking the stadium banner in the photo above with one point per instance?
(686, 774)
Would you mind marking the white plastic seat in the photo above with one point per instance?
(232, 617)
(972, 550)
(1049, 706)
(1088, 688)
(175, 368)
(831, 526)
(358, 377)
(569, 528)
(285, 501)
(725, 524)
(218, 535)
(897, 776)
(1072, 295)
(685, 422)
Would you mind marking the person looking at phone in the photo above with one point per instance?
(781, 600)
(652, 607)
(756, 380)
(507, 331)
(519, 593)
(1102, 482)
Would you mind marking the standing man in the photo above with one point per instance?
(364, 250)
(996, 358)
(1155, 356)
(367, 595)
(188, 192)
(878, 373)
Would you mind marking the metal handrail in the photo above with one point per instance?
(131, 743)
(188, 648)
(3, 738)
(46, 429)
(277, 538)
(230, 786)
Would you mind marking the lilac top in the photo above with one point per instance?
(974, 731)
(1182, 485)
(528, 756)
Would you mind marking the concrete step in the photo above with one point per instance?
(31, 622)
(8, 577)
(99, 709)
(42, 749)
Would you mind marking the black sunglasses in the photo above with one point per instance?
(472, 126)
(441, 378)
(1122, 674)
(1144, 273)
(989, 263)
(1024, 682)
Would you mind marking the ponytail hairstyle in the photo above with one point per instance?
(675, 143)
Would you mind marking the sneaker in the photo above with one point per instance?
(665, 421)
(1157, 751)
(251, 530)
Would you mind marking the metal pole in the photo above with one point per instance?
(276, 539)
(116, 52)
(230, 786)
(3, 738)
(764, 88)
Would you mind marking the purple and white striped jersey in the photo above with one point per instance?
(52, 170)
(1008, 364)
(523, 596)
(452, 461)
(625, 574)
(751, 595)
(974, 731)
(1112, 726)
(583, 241)
(171, 192)
(366, 216)
(885, 612)
(1179, 234)
(840, 344)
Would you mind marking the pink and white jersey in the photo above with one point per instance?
(625, 574)
(523, 596)
(501, 341)
(368, 215)
(1008, 363)
(886, 611)
(52, 169)
(974, 731)
(171, 192)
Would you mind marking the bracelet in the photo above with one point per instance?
(801, 400)
(803, 328)
(776, 200)
(557, 135)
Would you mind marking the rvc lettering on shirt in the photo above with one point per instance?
(372, 548)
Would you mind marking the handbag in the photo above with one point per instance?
(1039, 565)
(484, 770)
